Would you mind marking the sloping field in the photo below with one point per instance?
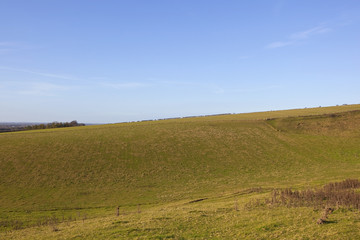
(155, 170)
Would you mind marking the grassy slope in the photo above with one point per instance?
(165, 164)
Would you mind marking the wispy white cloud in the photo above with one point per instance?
(43, 74)
(279, 44)
(170, 82)
(126, 85)
(310, 32)
(210, 87)
(217, 89)
(41, 89)
(7, 44)
(6, 50)
(297, 37)
(253, 90)
(6, 47)
(31, 88)
(167, 84)
(243, 57)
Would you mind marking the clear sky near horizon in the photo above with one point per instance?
(114, 61)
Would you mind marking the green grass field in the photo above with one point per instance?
(67, 183)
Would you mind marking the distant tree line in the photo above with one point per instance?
(54, 125)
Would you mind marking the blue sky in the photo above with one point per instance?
(114, 61)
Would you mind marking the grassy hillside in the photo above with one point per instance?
(153, 170)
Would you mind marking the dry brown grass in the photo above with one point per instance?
(336, 194)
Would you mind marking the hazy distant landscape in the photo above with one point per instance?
(14, 126)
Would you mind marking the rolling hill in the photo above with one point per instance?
(189, 178)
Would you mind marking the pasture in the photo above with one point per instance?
(189, 178)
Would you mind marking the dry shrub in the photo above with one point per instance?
(12, 224)
(333, 194)
(338, 194)
(346, 184)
